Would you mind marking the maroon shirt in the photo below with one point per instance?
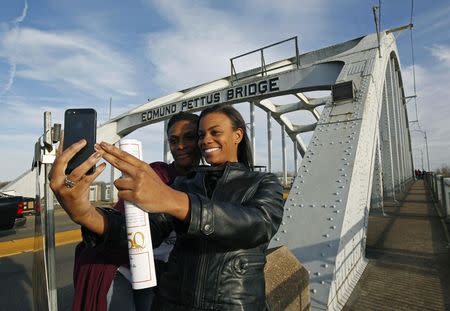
(94, 271)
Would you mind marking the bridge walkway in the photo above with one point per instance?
(409, 258)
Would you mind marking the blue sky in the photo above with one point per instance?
(59, 54)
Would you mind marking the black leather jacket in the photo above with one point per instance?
(218, 259)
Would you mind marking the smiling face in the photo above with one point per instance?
(182, 136)
(217, 139)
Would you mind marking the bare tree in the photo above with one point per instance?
(444, 170)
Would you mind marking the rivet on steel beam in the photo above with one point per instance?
(330, 218)
(333, 227)
(325, 265)
(312, 205)
(337, 211)
(338, 200)
(289, 216)
(326, 235)
(277, 239)
(313, 291)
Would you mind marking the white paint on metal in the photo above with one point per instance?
(333, 189)
(269, 141)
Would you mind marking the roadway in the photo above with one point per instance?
(16, 262)
(62, 223)
(16, 280)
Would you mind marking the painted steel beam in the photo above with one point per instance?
(331, 196)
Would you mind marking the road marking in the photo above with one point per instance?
(15, 247)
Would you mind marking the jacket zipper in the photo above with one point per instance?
(200, 277)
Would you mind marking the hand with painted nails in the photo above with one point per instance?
(142, 186)
(72, 191)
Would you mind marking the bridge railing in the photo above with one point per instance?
(440, 191)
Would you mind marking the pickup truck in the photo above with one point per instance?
(11, 211)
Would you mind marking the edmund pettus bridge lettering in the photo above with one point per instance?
(231, 94)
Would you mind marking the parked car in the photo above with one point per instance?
(11, 211)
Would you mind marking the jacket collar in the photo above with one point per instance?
(208, 168)
(205, 169)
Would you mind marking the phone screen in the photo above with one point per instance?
(79, 124)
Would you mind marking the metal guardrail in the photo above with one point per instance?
(263, 70)
(440, 191)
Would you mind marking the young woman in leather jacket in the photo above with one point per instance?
(224, 217)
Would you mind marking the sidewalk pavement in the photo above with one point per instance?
(409, 258)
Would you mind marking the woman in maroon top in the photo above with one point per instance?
(95, 270)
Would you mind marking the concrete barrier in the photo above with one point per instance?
(287, 281)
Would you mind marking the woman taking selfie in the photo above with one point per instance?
(224, 217)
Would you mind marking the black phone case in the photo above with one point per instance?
(79, 124)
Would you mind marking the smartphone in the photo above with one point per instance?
(79, 124)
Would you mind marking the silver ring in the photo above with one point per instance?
(68, 183)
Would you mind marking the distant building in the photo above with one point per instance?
(99, 191)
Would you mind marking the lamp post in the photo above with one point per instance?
(426, 146)
(421, 157)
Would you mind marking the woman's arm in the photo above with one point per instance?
(239, 226)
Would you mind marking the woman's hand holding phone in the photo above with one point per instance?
(72, 190)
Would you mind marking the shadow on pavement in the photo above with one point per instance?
(15, 285)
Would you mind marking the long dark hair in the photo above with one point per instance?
(244, 152)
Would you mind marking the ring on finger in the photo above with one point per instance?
(69, 183)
